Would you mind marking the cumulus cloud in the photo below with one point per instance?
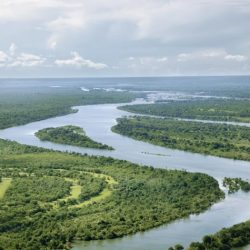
(27, 60)
(3, 57)
(210, 62)
(150, 64)
(238, 58)
(152, 60)
(183, 57)
(10, 59)
(218, 54)
(77, 61)
(147, 60)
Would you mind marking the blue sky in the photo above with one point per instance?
(124, 37)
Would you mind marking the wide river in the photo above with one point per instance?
(97, 121)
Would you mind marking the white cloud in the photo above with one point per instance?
(147, 60)
(78, 61)
(73, 20)
(53, 41)
(12, 49)
(3, 57)
(162, 59)
(22, 10)
(216, 54)
(27, 60)
(150, 64)
(10, 59)
(238, 58)
(183, 57)
(152, 60)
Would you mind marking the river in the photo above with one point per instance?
(97, 121)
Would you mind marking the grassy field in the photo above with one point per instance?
(4, 185)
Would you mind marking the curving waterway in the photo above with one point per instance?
(97, 121)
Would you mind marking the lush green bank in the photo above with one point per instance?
(21, 106)
(209, 109)
(70, 135)
(126, 198)
(213, 139)
(226, 239)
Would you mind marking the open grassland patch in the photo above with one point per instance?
(4, 185)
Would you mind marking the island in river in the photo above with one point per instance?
(69, 135)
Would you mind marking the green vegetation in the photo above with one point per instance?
(176, 247)
(99, 191)
(27, 105)
(4, 185)
(117, 197)
(226, 239)
(210, 109)
(214, 139)
(70, 135)
(75, 191)
(31, 188)
(236, 184)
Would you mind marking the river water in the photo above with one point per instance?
(97, 121)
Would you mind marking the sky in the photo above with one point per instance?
(82, 38)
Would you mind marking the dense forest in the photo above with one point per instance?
(208, 109)
(18, 107)
(69, 135)
(213, 139)
(226, 239)
(100, 197)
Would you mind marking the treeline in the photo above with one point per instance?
(208, 109)
(143, 198)
(69, 135)
(213, 139)
(236, 184)
(18, 107)
(226, 239)
(13, 148)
